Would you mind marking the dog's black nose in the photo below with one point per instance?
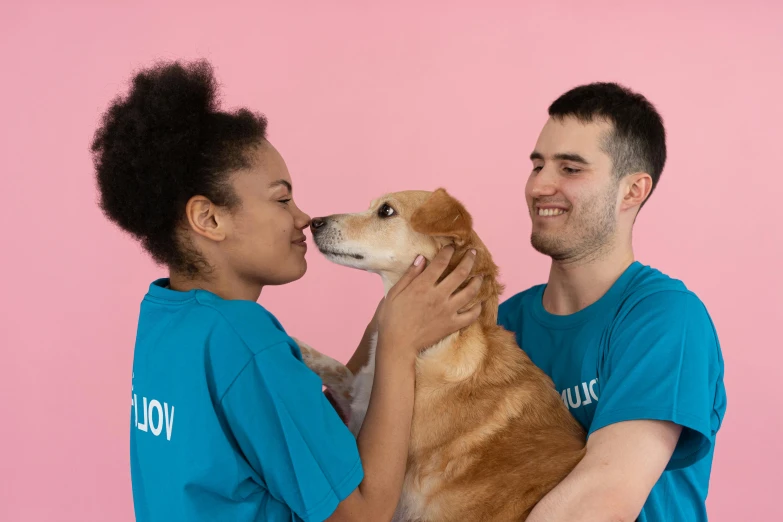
(317, 223)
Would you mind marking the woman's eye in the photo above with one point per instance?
(284, 201)
(385, 211)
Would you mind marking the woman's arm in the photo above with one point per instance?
(417, 312)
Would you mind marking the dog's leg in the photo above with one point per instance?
(336, 377)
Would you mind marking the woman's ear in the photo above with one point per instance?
(443, 216)
(204, 219)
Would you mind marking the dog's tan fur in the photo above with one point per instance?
(490, 434)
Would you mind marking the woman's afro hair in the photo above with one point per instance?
(164, 143)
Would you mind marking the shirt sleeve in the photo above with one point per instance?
(291, 435)
(664, 363)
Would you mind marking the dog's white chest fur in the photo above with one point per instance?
(360, 392)
(361, 389)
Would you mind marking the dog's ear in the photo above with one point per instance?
(443, 216)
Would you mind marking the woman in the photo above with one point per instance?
(227, 423)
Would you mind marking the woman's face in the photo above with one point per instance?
(264, 242)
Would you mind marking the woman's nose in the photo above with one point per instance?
(302, 220)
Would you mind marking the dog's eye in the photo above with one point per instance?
(385, 211)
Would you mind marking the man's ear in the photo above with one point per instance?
(637, 188)
(443, 216)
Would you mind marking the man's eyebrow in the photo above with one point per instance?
(568, 156)
(572, 157)
(283, 183)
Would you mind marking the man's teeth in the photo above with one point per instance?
(550, 211)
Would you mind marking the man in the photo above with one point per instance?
(633, 352)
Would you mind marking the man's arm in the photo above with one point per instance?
(612, 482)
(664, 363)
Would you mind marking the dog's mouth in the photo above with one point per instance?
(335, 253)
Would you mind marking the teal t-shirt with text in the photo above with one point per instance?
(227, 422)
(646, 350)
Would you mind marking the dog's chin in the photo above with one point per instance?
(337, 254)
(344, 258)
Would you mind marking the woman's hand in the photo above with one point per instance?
(419, 311)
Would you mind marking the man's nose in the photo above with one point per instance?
(543, 183)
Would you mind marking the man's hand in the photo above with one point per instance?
(614, 479)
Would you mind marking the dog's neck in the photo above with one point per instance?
(389, 280)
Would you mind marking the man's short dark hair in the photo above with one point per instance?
(638, 140)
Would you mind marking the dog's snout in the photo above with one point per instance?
(317, 223)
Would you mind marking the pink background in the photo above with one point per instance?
(364, 100)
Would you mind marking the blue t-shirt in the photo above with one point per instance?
(646, 350)
(227, 422)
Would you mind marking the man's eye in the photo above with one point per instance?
(569, 170)
(284, 201)
(385, 211)
(537, 169)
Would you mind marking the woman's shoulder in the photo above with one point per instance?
(250, 322)
(244, 331)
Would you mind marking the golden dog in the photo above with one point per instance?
(490, 434)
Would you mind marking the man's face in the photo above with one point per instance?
(572, 194)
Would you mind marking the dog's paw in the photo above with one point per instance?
(336, 377)
(308, 352)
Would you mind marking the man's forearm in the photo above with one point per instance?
(612, 482)
(581, 497)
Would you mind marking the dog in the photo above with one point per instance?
(490, 435)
